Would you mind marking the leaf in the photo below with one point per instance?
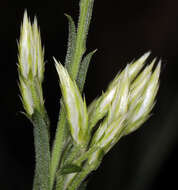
(71, 168)
(71, 44)
(83, 70)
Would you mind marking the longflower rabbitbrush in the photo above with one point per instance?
(84, 134)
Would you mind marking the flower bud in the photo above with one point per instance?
(140, 83)
(27, 98)
(133, 70)
(76, 108)
(110, 129)
(31, 66)
(129, 108)
(139, 111)
(99, 107)
(119, 105)
(31, 54)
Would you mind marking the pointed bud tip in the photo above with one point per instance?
(159, 64)
(126, 71)
(137, 65)
(158, 69)
(25, 14)
(58, 64)
(144, 57)
(150, 66)
(35, 22)
(25, 18)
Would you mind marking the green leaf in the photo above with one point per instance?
(71, 168)
(83, 70)
(71, 44)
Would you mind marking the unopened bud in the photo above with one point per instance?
(129, 108)
(140, 110)
(30, 66)
(133, 70)
(75, 107)
(100, 107)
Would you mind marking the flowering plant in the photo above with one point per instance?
(84, 133)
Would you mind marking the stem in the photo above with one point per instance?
(41, 140)
(83, 25)
(86, 7)
(58, 145)
(80, 177)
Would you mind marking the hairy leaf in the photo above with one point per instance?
(71, 44)
(83, 70)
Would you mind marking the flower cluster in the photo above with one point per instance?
(84, 133)
(122, 109)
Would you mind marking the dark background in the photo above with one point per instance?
(121, 30)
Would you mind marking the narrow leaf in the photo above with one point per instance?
(83, 70)
(71, 44)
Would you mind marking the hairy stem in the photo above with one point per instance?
(81, 176)
(58, 145)
(82, 31)
(41, 139)
(80, 46)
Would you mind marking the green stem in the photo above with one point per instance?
(80, 177)
(86, 7)
(42, 150)
(58, 145)
(83, 26)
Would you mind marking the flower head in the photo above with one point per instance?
(132, 101)
(30, 66)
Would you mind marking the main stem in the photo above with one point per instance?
(58, 145)
(82, 31)
(83, 26)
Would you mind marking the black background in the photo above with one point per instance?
(121, 31)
